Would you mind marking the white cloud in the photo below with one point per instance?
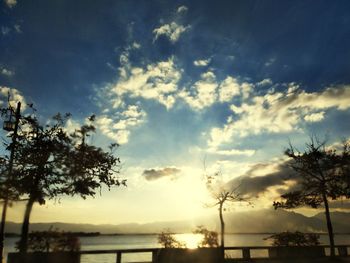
(5, 30)
(202, 62)
(15, 96)
(160, 82)
(10, 3)
(182, 9)
(203, 92)
(118, 127)
(6, 72)
(136, 45)
(279, 112)
(264, 82)
(172, 31)
(72, 125)
(207, 91)
(314, 117)
(155, 81)
(17, 27)
(228, 89)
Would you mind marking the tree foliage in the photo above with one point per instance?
(53, 241)
(167, 240)
(322, 177)
(294, 239)
(210, 238)
(51, 162)
(223, 195)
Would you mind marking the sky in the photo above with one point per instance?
(187, 88)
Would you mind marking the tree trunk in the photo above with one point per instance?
(23, 243)
(329, 225)
(6, 201)
(222, 225)
(2, 229)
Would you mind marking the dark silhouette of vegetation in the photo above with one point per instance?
(7, 180)
(167, 240)
(53, 241)
(294, 239)
(210, 238)
(321, 175)
(223, 195)
(50, 162)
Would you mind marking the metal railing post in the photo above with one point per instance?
(246, 253)
(155, 256)
(343, 251)
(119, 257)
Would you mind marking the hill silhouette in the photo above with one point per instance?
(261, 221)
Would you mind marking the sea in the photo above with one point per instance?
(104, 242)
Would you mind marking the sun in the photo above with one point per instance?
(191, 241)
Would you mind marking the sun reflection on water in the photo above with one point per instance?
(190, 240)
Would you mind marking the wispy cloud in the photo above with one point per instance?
(17, 28)
(263, 177)
(11, 3)
(277, 112)
(5, 30)
(182, 9)
(202, 62)
(264, 82)
(231, 152)
(156, 81)
(172, 30)
(314, 117)
(270, 62)
(7, 72)
(203, 92)
(117, 126)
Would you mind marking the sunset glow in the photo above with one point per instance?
(187, 90)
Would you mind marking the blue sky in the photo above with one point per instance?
(179, 82)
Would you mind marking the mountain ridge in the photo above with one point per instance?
(261, 221)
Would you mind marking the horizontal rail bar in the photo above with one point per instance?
(114, 251)
(141, 250)
(267, 247)
(246, 251)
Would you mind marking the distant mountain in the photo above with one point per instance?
(272, 221)
(341, 221)
(156, 227)
(261, 221)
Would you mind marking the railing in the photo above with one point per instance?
(120, 252)
(246, 252)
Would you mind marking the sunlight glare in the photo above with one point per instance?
(191, 241)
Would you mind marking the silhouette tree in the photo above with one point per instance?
(50, 162)
(210, 238)
(344, 185)
(167, 240)
(285, 239)
(223, 194)
(8, 183)
(321, 172)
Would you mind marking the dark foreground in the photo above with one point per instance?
(294, 260)
(314, 254)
